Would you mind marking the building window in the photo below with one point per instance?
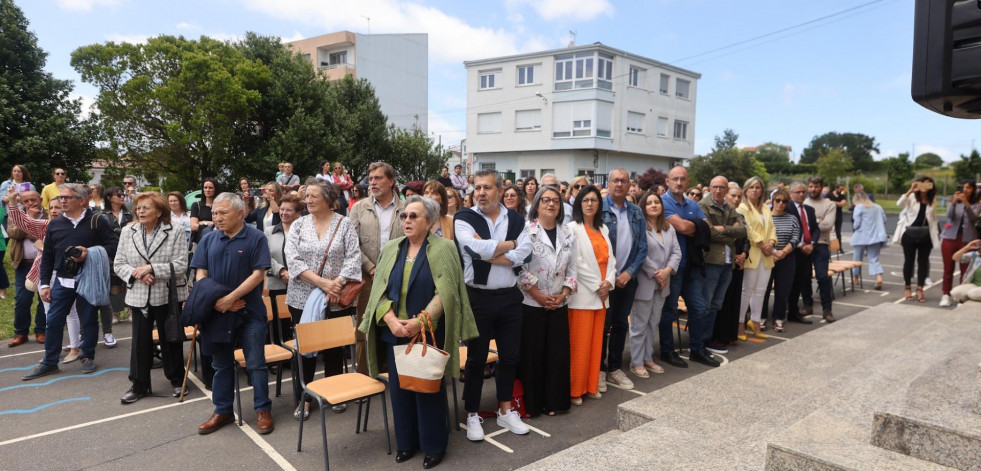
(338, 58)
(662, 126)
(526, 75)
(546, 171)
(563, 72)
(681, 88)
(582, 71)
(488, 79)
(582, 127)
(525, 173)
(528, 120)
(604, 119)
(638, 77)
(681, 130)
(665, 79)
(488, 123)
(635, 122)
(573, 119)
(604, 72)
(488, 165)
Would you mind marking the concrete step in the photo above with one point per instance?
(977, 398)
(849, 456)
(935, 423)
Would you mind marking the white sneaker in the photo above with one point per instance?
(110, 340)
(945, 301)
(511, 421)
(619, 378)
(602, 382)
(929, 281)
(475, 432)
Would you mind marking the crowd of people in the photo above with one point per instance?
(558, 275)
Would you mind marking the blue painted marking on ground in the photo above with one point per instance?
(55, 380)
(44, 406)
(20, 368)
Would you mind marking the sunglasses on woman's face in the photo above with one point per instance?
(779, 200)
(578, 186)
(412, 215)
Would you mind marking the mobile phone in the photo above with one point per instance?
(925, 186)
(19, 187)
(960, 188)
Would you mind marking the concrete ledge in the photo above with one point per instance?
(977, 399)
(840, 457)
(923, 439)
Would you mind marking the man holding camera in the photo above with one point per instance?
(66, 249)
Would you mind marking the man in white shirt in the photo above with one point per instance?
(459, 180)
(287, 180)
(492, 243)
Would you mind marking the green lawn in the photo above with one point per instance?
(7, 305)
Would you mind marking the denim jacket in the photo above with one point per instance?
(638, 227)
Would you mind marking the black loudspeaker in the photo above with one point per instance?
(947, 57)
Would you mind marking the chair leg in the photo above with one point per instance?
(367, 410)
(388, 436)
(279, 379)
(299, 440)
(357, 424)
(456, 406)
(323, 432)
(238, 395)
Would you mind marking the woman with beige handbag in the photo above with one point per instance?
(418, 276)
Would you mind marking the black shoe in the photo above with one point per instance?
(716, 348)
(131, 396)
(704, 358)
(799, 320)
(177, 391)
(829, 317)
(403, 456)
(431, 461)
(672, 358)
(157, 364)
(40, 370)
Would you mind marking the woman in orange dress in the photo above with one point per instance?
(596, 271)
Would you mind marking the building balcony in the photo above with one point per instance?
(336, 71)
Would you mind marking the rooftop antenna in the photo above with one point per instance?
(572, 42)
(369, 23)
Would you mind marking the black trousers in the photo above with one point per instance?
(333, 357)
(617, 325)
(782, 276)
(544, 367)
(498, 316)
(801, 287)
(141, 357)
(920, 252)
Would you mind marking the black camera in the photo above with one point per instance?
(73, 252)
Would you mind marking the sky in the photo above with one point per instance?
(772, 70)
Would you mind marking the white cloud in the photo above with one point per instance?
(295, 37)
(88, 103)
(85, 5)
(185, 26)
(580, 10)
(128, 38)
(451, 39)
(452, 129)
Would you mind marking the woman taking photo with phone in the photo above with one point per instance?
(917, 231)
(962, 214)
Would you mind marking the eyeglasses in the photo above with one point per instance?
(619, 181)
(779, 200)
(412, 216)
(510, 195)
(578, 186)
(547, 200)
(129, 183)
(590, 201)
(118, 194)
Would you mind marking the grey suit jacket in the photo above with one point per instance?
(169, 246)
(660, 254)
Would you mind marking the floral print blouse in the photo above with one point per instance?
(305, 251)
(551, 267)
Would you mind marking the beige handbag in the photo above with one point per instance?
(421, 369)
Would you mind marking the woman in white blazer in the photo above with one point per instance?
(917, 232)
(149, 251)
(663, 258)
(595, 273)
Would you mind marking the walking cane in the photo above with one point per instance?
(187, 368)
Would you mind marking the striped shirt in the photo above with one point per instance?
(788, 228)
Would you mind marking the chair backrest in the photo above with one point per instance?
(269, 308)
(328, 333)
(283, 308)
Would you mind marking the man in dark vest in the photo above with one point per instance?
(493, 244)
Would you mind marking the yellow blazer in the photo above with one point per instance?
(759, 228)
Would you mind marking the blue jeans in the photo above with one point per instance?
(617, 325)
(821, 257)
(62, 299)
(717, 278)
(251, 336)
(22, 304)
(875, 268)
(688, 283)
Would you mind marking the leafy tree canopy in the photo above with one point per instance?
(834, 165)
(929, 160)
(968, 167)
(775, 157)
(858, 146)
(900, 171)
(725, 159)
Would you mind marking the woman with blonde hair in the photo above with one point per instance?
(443, 225)
(577, 184)
(762, 236)
(868, 234)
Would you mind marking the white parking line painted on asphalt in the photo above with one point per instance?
(853, 305)
(267, 448)
(488, 438)
(42, 351)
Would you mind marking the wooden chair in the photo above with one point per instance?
(345, 387)
(274, 353)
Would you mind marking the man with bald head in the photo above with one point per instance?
(22, 255)
(725, 227)
(688, 281)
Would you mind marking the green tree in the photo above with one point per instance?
(726, 141)
(928, 160)
(360, 133)
(858, 146)
(42, 127)
(969, 167)
(414, 155)
(899, 169)
(833, 165)
(775, 157)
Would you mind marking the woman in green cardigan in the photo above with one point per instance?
(418, 273)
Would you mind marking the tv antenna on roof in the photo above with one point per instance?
(572, 42)
(369, 23)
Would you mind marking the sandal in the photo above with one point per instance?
(778, 325)
(640, 372)
(305, 407)
(653, 367)
(762, 325)
(909, 293)
(919, 294)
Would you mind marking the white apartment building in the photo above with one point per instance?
(396, 65)
(579, 110)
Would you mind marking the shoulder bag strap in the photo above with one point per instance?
(323, 262)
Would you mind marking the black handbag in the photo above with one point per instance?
(917, 234)
(173, 332)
